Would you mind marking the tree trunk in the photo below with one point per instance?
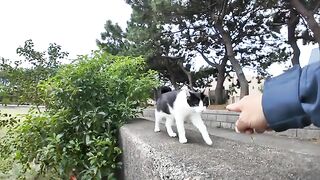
(172, 78)
(174, 82)
(219, 91)
(187, 73)
(308, 16)
(292, 24)
(244, 86)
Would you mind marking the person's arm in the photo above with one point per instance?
(292, 100)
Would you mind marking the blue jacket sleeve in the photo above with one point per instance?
(292, 100)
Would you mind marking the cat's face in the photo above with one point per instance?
(197, 99)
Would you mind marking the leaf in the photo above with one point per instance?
(102, 113)
(98, 175)
(88, 142)
(59, 136)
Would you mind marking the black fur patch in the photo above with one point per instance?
(161, 90)
(166, 100)
(195, 98)
(205, 100)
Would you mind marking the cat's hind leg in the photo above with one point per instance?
(158, 118)
(169, 123)
(197, 122)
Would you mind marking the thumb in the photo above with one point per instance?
(234, 107)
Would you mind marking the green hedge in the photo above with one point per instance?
(86, 104)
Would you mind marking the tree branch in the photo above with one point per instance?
(207, 59)
(308, 16)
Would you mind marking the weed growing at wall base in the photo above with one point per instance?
(86, 103)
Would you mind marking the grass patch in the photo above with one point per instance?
(15, 111)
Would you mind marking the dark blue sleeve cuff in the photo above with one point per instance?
(281, 102)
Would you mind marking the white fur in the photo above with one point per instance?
(180, 112)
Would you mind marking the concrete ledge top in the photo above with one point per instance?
(226, 119)
(166, 158)
(222, 112)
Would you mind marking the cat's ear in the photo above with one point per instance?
(204, 98)
(187, 92)
(203, 95)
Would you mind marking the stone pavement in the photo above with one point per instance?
(149, 155)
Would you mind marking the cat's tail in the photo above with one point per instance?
(161, 90)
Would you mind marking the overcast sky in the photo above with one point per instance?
(73, 24)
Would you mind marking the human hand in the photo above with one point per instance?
(251, 118)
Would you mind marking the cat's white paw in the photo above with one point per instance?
(209, 142)
(183, 140)
(156, 130)
(173, 134)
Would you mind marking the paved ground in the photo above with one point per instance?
(149, 155)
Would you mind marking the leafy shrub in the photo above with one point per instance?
(5, 101)
(86, 104)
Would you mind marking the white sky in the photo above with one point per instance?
(73, 24)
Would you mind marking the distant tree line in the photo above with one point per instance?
(227, 34)
(20, 79)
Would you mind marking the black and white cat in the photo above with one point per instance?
(179, 106)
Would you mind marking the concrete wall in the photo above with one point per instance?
(156, 156)
(226, 119)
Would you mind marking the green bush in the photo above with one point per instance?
(5, 101)
(86, 104)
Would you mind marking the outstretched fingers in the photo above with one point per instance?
(234, 107)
